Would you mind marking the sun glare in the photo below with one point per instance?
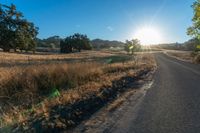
(148, 36)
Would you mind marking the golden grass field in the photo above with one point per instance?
(10, 58)
(26, 88)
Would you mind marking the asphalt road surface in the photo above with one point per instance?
(172, 104)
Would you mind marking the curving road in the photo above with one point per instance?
(171, 105)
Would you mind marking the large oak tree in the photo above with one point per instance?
(15, 31)
(75, 42)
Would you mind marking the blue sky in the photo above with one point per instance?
(108, 19)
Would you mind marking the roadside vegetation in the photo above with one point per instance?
(31, 92)
(181, 55)
(194, 31)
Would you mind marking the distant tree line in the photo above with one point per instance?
(54, 42)
(15, 31)
(171, 46)
(190, 45)
(76, 42)
(50, 42)
(105, 44)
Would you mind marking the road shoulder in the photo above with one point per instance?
(117, 113)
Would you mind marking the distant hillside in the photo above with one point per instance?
(189, 45)
(51, 42)
(171, 46)
(99, 44)
(54, 42)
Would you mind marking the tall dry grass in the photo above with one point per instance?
(22, 88)
(21, 58)
(24, 85)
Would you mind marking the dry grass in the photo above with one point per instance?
(185, 55)
(25, 89)
(196, 58)
(182, 55)
(21, 58)
(36, 81)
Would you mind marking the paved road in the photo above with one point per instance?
(172, 104)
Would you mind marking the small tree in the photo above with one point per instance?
(132, 46)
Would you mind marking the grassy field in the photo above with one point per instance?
(42, 86)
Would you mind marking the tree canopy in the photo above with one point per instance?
(76, 42)
(194, 30)
(16, 32)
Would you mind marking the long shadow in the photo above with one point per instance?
(70, 115)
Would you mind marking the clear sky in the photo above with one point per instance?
(108, 19)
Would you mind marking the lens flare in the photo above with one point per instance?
(148, 36)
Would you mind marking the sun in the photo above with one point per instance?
(148, 36)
